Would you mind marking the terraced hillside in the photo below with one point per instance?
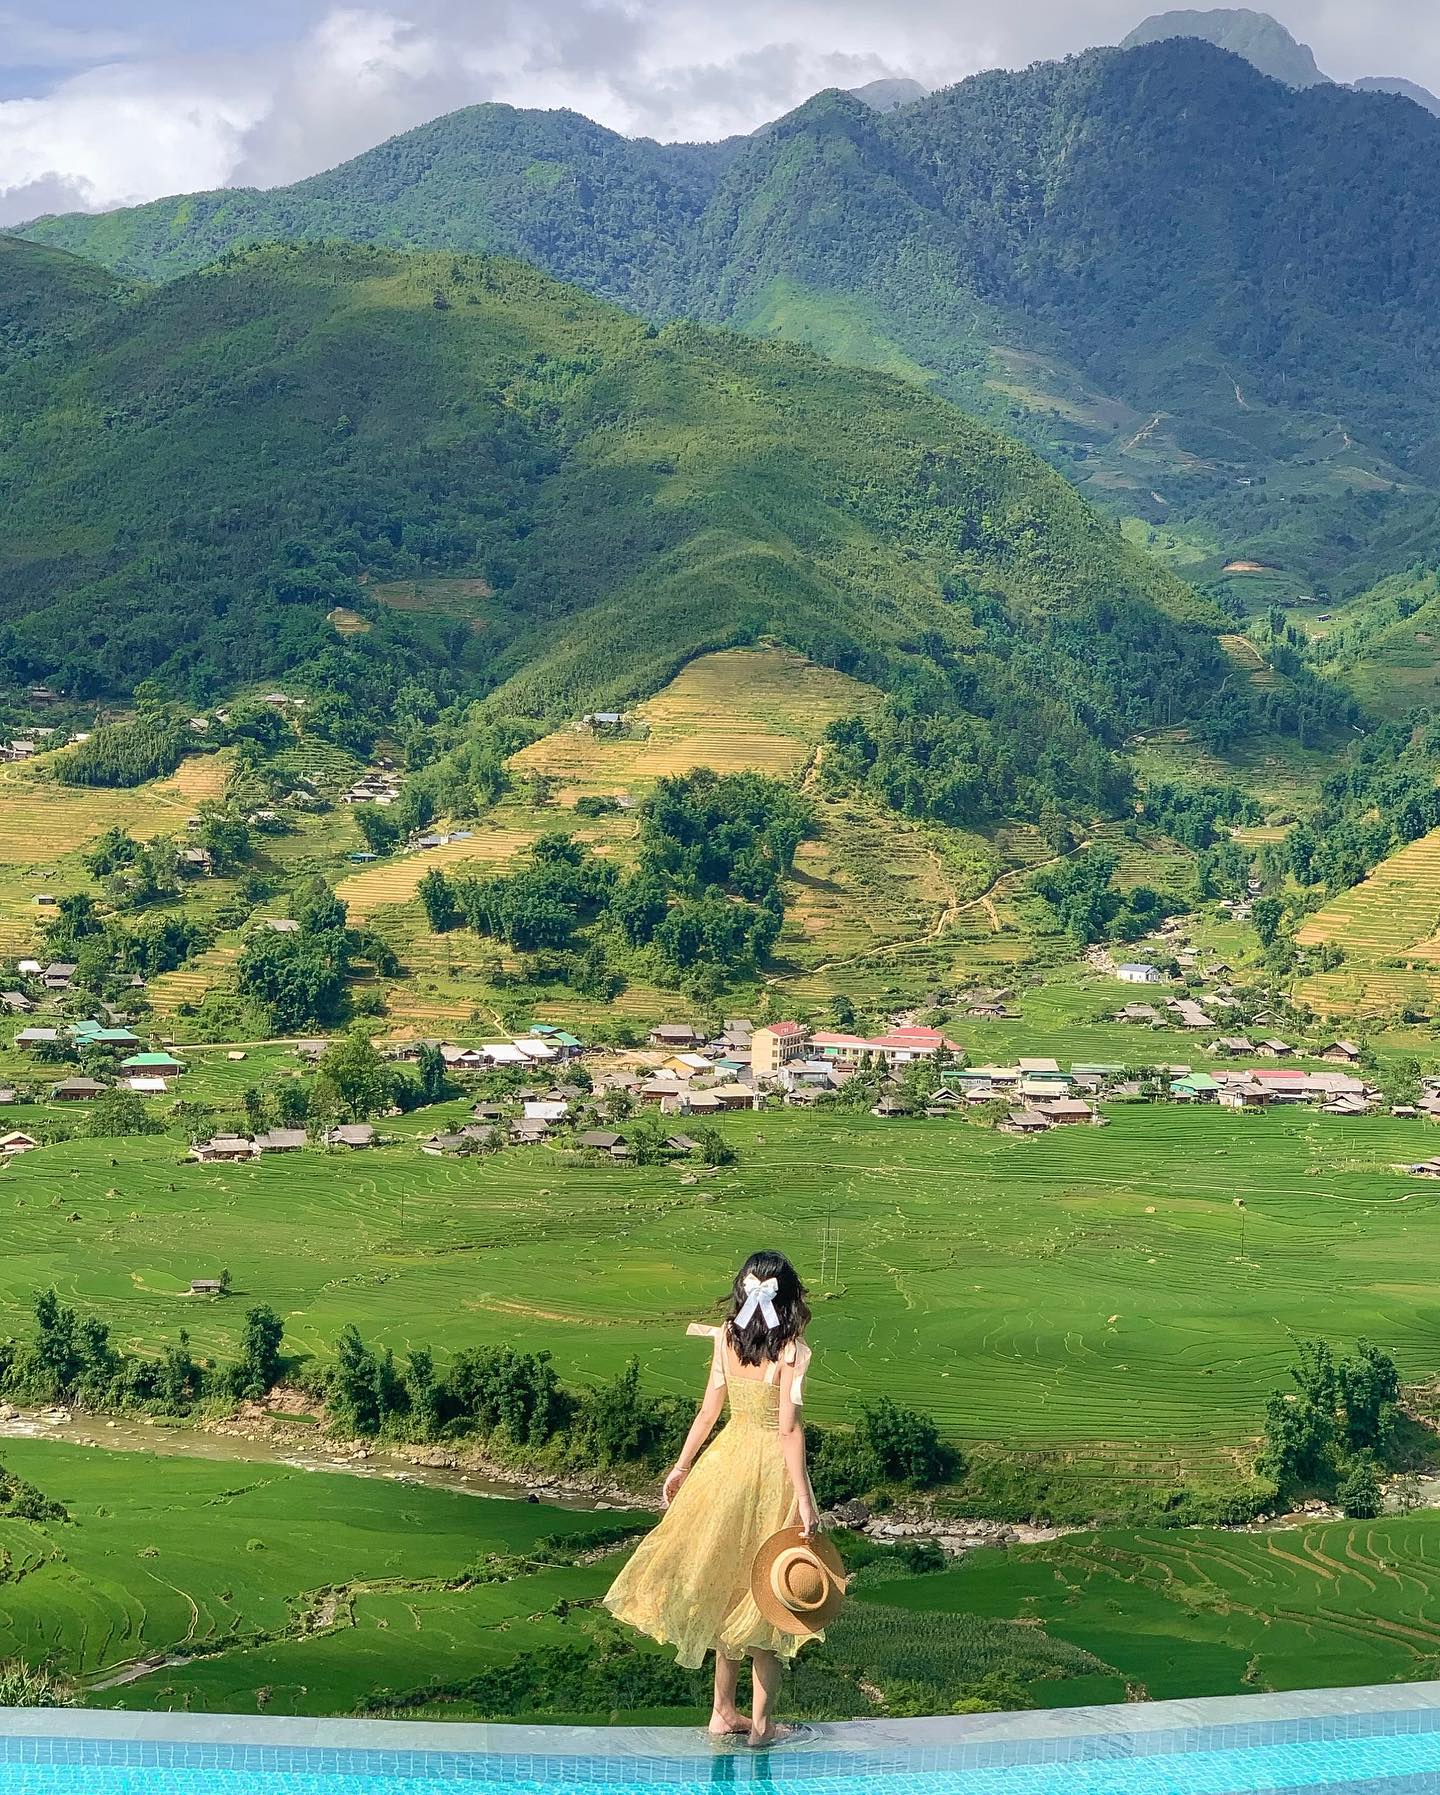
(1205, 1613)
(744, 709)
(313, 1590)
(45, 828)
(1389, 927)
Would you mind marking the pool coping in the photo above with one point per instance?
(1035, 1728)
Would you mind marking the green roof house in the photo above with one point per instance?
(152, 1062)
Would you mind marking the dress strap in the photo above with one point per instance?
(698, 1330)
(797, 1355)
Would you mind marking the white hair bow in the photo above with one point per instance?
(759, 1296)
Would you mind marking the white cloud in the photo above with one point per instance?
(125, 130)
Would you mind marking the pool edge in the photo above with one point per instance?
(860, 1736)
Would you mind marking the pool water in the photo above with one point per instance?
(1384, 1753)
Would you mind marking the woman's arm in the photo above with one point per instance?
(792, 1444)
(701, 1429)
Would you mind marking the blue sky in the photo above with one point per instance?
(110, 102)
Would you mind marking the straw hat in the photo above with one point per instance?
(798, 1582)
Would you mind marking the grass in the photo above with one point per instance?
(1080, 1290)
(1277, 772)
(1206, 1613)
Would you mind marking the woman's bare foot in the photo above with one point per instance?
(726, 1722)
(770, 1734)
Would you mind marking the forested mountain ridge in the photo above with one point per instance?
(190, 485)
(1210, 299)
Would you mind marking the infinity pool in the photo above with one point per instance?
(1356, 1742)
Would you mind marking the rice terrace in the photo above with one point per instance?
(1084, 1289)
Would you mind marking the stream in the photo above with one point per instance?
(124, 1435)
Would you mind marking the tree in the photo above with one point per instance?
(294, 976)
(379, 830)
(1301, 1429)
(318, 911)
(291, 1104)
(712, 1146)
(1359, 1493)
(905, 1444)
(254, 1109)
(260, 1364)
(435, 1081)
(1267, 914)
(117, 1114)
(1369, 1387)
(437, 895)
(357, 1075)
(55, 1360)
(423, 1389)
(225, 836)
(353, 1397)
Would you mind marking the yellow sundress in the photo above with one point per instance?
(688, 1583)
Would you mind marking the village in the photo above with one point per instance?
(545, 1087)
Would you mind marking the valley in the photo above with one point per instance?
(572, 706)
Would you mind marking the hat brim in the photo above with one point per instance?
(772, 1609)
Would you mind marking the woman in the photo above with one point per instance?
(688, 1585)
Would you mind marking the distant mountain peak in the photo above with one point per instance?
(1262, 41)
(889, 92)
(1266, 45)
(1410, 90)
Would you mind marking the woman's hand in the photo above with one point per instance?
(809, 1515)
(672, 1485)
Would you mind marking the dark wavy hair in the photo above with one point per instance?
(757, 1344)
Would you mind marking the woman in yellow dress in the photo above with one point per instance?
(689, 1583)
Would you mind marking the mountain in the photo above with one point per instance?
(889, 92)
(1266, 45)
(1210, 299)
(192, 482)
(1397, 84)
(45, 295)
(1262, 41)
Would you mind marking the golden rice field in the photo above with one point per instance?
(212, 970)
(495, 840)
(745, 708)
(1368, 993)
(1395, 912)
(863, 880)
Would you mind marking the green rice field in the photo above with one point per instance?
(1208, 1613)
(244, 1587)
(1085, 1287)
(309, 1589)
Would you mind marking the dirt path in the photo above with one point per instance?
(1140, 435)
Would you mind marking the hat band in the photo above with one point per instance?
(779, 1585)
